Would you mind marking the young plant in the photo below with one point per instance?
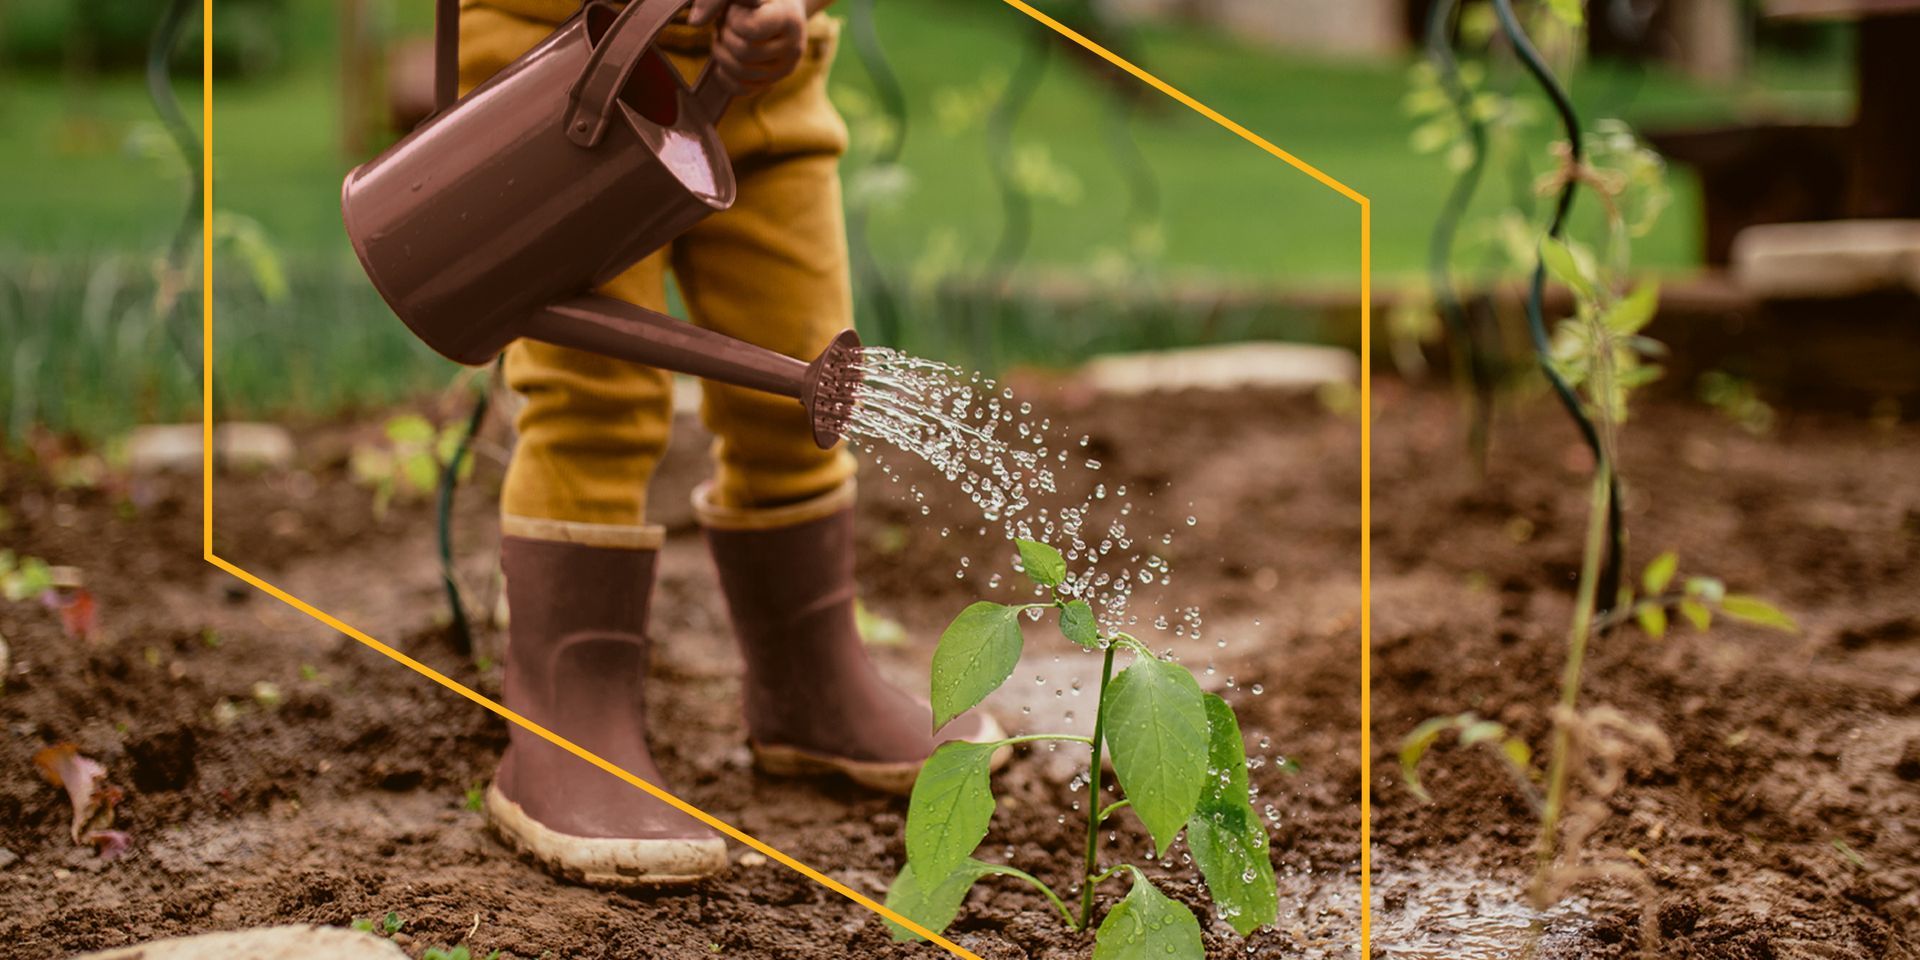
(1594, 360)
(410, 462)
(1177, 754)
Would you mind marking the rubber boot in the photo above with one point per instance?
(815, 703)
(576, 663)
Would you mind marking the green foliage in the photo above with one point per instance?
(1157, 729)
(1177, 753)
(453, 953)
(410, 460)
(1696, 601)
(977, 654)
(951, 806)
(1471, 731)
(23, 578)
(1042, 563)
(1146, 925)
(1229, 843)
(1078, 624)
(1738, 400)
(932, 903)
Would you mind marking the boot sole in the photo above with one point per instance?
(896, 777)
(604, 862)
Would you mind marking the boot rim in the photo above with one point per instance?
(614, 536)
(609, 862)
(714, 516)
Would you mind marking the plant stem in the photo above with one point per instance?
(1113, 808)
(1053, 898)
(1578, 635)
(1038, 737)
(1093, 800)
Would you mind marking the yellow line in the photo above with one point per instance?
(1191, 104)
(1366, 577)
(206, 280)
(1366, 428)
(207, 553)
(1366, 286)
(584, 754)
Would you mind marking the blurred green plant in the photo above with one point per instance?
(251, 37)
(409, 460)
(1594, 359)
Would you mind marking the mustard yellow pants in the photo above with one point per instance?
(772, 271)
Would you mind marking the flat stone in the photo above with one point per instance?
(295, 942)
(1843, 258)
(175, 447)
(1275, 366)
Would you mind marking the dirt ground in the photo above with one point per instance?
(1788, 827)
(343, 793)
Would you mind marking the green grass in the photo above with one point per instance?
(78, 196)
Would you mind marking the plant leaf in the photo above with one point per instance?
(1228, 841)
(1146, 925)
(951, 806)
(1157, 730)
(1652, 618)
(1660, 572)
(1078, 625)
(1697, 614)
(977, 654)
(1757, 611)
(930, 904)
(1634, 311)
(1564, 265)
(1414, 747)
(1042, 563)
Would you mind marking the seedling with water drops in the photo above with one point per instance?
(1177, 754)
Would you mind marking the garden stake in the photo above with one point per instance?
(1609, 585)
(1469, 352)
(576, 161)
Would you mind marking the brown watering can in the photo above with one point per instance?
(497, 216)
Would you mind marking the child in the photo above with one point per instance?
(578, 554)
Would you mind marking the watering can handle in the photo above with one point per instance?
(591, 102)
(446, 53)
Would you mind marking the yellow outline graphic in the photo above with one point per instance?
(1366, 398)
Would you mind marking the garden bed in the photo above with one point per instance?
(1789, 825)
(349, 798)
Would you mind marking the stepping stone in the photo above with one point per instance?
(175, 447)
(299, 942)
(1842, 258)
(1275, 366)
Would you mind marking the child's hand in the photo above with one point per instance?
(758, 41)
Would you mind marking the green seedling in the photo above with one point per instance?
(460, 952)
(1595, 359)
(409, 463)
(1177, 754)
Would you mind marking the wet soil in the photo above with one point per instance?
(1788, 826)
(343, 790)
(1789, 823)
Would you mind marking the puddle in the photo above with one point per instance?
(1426, 912)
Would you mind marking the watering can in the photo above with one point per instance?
(495, 218)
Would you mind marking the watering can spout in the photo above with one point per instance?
(615, 328)
(575, 162)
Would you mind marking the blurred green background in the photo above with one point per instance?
(94, 192)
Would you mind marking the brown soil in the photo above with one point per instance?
(348, 799)
(1789, 825)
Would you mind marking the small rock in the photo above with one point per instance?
(753, 858)
(299, 942)
(1282, 366)
(175, 447)
(8, 858)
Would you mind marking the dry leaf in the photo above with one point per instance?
(93, 798)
